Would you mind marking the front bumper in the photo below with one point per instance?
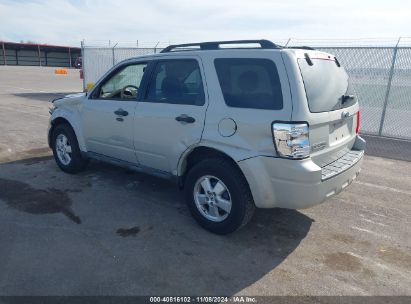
(49, 136)
(296, 184)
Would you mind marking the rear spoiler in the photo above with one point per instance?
(322, 56)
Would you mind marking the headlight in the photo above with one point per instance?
(51, 110)
(291, 140)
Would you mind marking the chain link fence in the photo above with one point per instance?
(380, 71)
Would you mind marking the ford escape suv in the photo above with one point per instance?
(237, 125)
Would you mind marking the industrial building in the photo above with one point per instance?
(12, 53)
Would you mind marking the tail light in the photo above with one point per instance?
(357, 126)
(291, 140)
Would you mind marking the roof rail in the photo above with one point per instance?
(215, 45)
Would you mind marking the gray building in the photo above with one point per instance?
(12, 53)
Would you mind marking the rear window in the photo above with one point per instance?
(249, 83)
(325, 84)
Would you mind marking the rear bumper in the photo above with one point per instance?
(296, 184)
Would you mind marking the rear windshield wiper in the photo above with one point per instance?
(344, 98)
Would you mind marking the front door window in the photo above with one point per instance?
(124, 84)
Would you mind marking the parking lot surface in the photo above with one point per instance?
(109, 231)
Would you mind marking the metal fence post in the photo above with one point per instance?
(114, 57)
(38, 49)
(155, 47)
(387, 93)
(82, 65)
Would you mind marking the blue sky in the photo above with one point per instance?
(69, 21)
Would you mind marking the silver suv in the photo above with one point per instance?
(237, 125)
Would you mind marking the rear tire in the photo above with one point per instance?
(227, 205)
(66, 150)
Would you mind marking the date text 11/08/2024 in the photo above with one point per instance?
(206, 299)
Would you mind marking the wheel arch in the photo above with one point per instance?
(198, 153)
(65, 119)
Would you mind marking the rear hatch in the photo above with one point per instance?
(332, 107)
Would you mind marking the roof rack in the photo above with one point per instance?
(215, 45)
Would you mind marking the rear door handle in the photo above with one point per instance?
(185, 118)
(121, 112)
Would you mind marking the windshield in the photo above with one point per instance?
(327, 86)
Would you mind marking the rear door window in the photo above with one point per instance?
(249, 83)
(325, 84)
(176, 81)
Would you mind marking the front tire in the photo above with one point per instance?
(66, 150)
(218, 196)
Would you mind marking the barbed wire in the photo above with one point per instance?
(319, 42)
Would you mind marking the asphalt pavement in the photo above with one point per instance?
(109, 231)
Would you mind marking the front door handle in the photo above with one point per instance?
(185, 118)
(121, 112)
